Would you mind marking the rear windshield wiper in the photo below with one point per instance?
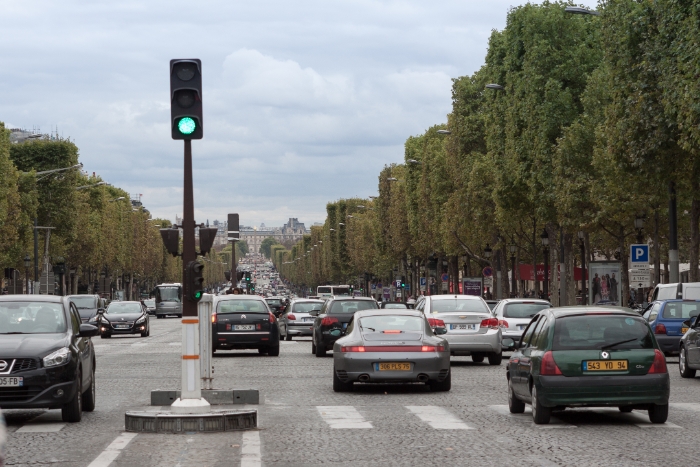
(618, 343)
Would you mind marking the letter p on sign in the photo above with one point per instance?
(639, 253)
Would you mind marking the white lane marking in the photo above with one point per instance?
(41, 428)
(288, 342)
(107, 456)
(686, 406)
(526, 416)
(438, 418)
(342, 417)
(139, 344)
(250, 451)
(175, 343)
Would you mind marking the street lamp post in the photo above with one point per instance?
(514, 284)
(27, 263)
(582, 244)
(639, 225)
(545, 283)
(487, 254)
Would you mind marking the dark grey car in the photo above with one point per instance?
(391, 346)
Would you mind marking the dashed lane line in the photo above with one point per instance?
(250, 451)
(48, 422)
(107, 456)
(343, 417)
(438, 418)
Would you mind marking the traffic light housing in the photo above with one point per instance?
(186, 98)
(403, 282)
(247, 277)
(239, 276)
(194, 281)
(227, 275)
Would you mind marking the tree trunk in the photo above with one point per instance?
(553, 262)
(569, 265)
(693, 275)
(624, 278)
(657, 250)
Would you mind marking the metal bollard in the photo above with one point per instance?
(206, 369)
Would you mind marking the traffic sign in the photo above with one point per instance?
(374, 286)
(639, 254)
(445, 277)
(640, 278)
(397, 283)
(487, 271)
(488, 281)
(422, 283)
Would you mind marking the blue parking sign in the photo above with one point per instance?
(639, 253)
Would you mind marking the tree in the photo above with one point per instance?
(266, 245)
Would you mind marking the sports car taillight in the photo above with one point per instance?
(291, 317)
(489, 323)
(328, 320)
(272, 318)
(432, 348)
(214, 319)
(659, 365)
(357, 348)
(436, 323)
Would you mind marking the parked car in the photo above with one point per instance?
(47, 359)
(393, 305)
(331, 321)
(296, 320)
(129, 317)
(472, 328)
(150, 304)
(588, 357)
(88, 305)
(244, 322)
(667, 320)
(514, 314)
(390, 346)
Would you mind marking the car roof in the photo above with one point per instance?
(560, 312)
(389, 311)
(32, 298)
(678, 300)
(453, 296)
(311, 300)
(126, 301)
(83, 295)
(528, 300)
(348, 297)
(239, 297)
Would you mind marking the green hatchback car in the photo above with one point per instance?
(588, 357)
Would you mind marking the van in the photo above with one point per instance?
(684, 291)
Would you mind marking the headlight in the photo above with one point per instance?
(59, 357)
(93, 319)
(141, 320)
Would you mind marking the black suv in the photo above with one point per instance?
(46, 356)
(331, 321)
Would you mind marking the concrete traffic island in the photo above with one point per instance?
(213, 396)
(180, 423)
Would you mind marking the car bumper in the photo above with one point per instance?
(40, 389)
(136, 329)
(245, 340)
(300, 329)
(603, 390)
(350, 367)
(466, 344)
(669, 343)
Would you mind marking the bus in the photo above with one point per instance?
(168, 300)
(327, 291)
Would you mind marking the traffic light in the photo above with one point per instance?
(247, 277)
(186, 98)
(403, 282)
(194, 280)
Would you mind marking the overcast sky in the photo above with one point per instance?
(304, 101)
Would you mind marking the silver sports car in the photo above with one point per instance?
(391, 346)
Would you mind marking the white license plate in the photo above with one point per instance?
(121, 326)
(306, 320)
(244, 327)
(463, 327)
(11, 382)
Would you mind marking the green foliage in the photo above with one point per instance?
(266, 245)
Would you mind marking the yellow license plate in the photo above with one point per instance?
(393, 366)
(605, 365)
(683, 330)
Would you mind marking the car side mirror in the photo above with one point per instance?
(100, 311)
(314, 312)
(88, 330)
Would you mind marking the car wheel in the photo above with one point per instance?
(441, 386)
(625, 409)
(540, 413)
(72, 412)
(515, 405)
(274, 351)
(338, 385)
(683, 365)
(658, 413)
(89, 396)
(495, 358)
(288, 337)
(159, 317)
(313, 343)
(144, 334)
(262, 350)
(477, 358)
(320, 351)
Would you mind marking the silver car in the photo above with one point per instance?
(296, 320)
(472, 328)
(514, 314)
(391, 346)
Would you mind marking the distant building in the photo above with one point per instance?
(292, 231)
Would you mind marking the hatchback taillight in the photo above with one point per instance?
(549, 366)
(272, 318)
(659, 365)
(291, 317)
(436, 323)
(660, 329)
(489, 323)
(328, 320)
(503, 323)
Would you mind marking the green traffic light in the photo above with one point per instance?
(186, 126)
(198, 294)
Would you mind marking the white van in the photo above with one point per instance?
(683, 291)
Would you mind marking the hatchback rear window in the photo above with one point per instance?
(274, 302)
(523, 310)
(237, 306)
(351, 306)
(680, 310)
(590, 332)
(460, 305)
(387, 324)
(305, 307)
(395, 306)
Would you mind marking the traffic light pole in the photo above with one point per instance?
(190, 400)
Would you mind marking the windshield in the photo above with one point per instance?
(237, 306)
(323, 290)
(305, 307)
(150, 303)
(273, 302)
(680, 310)
(351, 306)
(395, 306)
(523, 310)
(387, 324)
(590, 332)
(31, 318)
(460, 305)
(116, 308)
(84, 302)
(168, 294)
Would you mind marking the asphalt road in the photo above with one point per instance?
(303, 422)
